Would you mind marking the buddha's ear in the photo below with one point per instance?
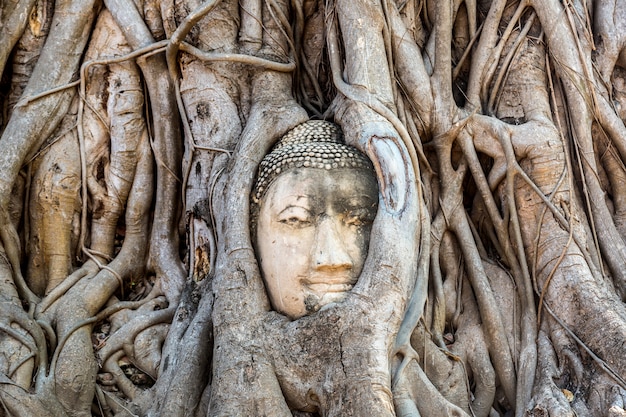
(392, 175)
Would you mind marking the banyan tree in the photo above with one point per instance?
(461, 162)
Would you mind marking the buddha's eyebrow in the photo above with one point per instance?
(287, 207)
(302, 201)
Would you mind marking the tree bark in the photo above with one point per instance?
(131, 136)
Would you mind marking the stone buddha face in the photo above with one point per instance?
(312, 231)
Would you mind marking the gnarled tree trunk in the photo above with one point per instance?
(132, 132)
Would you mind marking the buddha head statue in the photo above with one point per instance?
(312, 209)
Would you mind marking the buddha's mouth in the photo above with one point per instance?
(325, 288)
(331, 283)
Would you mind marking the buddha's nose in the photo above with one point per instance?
(330, 252)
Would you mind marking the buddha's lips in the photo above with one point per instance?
(330, 283)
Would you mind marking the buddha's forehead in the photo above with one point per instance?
(316, 186)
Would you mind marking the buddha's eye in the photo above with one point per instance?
(295, 216)
(295, 222)
(359, 216)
